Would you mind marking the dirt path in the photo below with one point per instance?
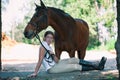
(89, 75)
(21, 59)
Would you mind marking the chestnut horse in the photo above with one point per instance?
(70, 34)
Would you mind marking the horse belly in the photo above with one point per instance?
(64, 45)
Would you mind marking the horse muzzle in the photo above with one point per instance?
(29, 34)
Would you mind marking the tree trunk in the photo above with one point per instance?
(117, 45)
(0, 50)
(0, 43)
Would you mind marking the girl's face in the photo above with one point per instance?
(49, 38)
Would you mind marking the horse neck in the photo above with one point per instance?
(59, 24)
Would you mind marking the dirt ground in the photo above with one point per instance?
(20, 61)
(89, 75)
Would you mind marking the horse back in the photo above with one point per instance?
(80, 21)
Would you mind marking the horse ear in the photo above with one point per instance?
(36, 5)
(42, 4)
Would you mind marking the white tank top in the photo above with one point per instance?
(47, 62)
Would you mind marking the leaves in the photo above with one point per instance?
(87, 10)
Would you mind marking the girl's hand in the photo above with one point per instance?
(32, 75)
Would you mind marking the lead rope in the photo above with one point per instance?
(37, 36)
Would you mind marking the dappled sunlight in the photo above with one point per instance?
(114, 72)
(96, 75)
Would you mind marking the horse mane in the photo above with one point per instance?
(63, 14)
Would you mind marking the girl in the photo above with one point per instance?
(53, 65)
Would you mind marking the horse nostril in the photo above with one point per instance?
(29, 34)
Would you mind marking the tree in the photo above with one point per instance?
(117, 45)
(0, 43)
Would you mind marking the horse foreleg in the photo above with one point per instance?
(81, 54)
(58, 53)
(71, 53)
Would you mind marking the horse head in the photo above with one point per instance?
(38, 22)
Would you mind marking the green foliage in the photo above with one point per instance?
(110, 45)
(93, 43)
(83, 9)
(108, 20)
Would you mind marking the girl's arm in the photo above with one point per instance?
(41, 56)
(54, 56)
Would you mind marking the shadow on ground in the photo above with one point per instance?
(20, 72)
(89, 75)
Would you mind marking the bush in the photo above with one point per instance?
(93, 43)
(110, 44)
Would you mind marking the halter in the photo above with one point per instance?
(37, 36)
